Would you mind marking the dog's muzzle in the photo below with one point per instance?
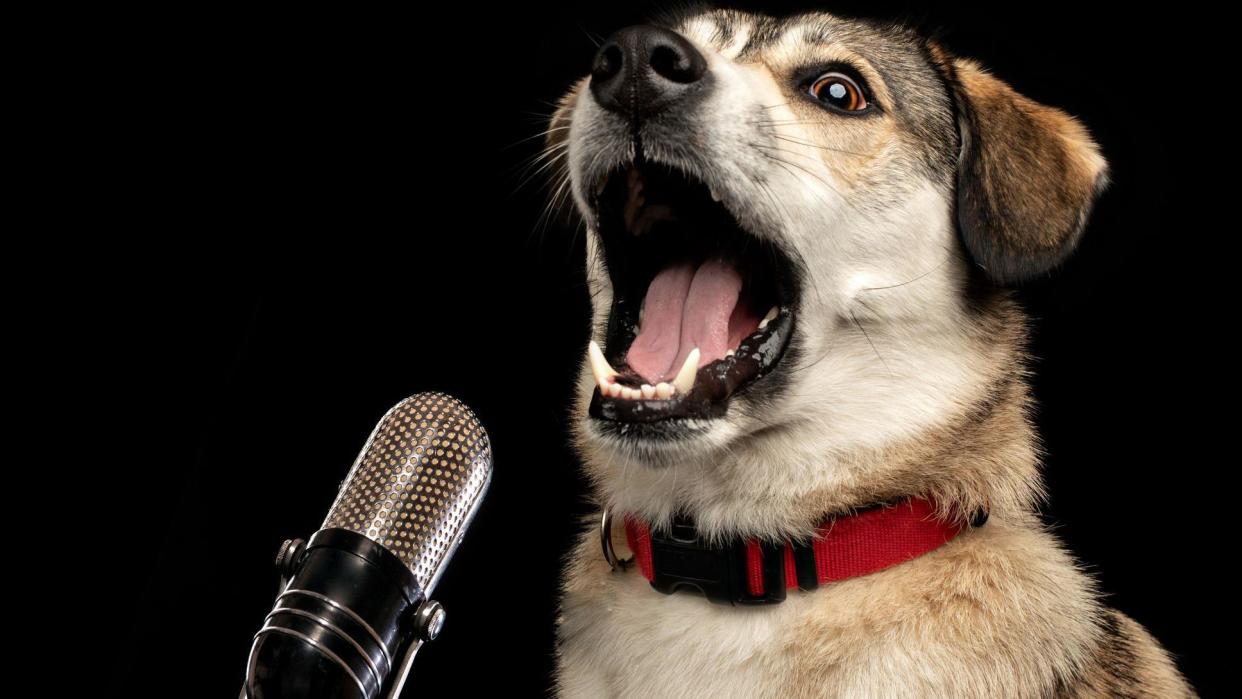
(702, 306)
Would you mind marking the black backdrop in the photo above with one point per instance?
(333, 216)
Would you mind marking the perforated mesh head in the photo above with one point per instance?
(417, 482)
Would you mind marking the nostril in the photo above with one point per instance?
(675, 65)
(608, 62)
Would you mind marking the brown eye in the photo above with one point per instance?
(838, 90)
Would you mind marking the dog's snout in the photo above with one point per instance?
(641, 70)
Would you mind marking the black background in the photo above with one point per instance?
(307, 216)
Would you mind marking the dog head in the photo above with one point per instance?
(800, 232)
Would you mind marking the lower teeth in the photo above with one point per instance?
(606, 376)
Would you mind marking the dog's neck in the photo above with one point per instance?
(985, 456)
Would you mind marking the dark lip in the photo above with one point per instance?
(769, 272)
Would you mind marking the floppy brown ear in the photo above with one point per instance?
(558, 125)
(1026, 180)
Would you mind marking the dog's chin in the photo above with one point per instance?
(660, 444)
(702, 314)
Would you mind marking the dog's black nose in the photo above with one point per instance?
(640, 70)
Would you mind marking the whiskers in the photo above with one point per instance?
(549, 166)
(771, 153)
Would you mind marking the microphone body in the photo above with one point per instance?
(354, 605)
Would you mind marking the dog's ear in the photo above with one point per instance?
(558, 125)
(1027, 175)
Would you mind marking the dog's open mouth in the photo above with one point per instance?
(701, 307)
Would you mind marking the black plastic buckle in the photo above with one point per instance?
(681, 560)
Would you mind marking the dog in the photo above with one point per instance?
(804, 407)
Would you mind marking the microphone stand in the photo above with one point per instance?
(428, 620)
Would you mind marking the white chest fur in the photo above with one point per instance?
(999, 612)
(641, 643)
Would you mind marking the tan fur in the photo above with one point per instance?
(558, 126)
(1128, 662)
(910, 379)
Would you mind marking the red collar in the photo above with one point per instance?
(750, 571)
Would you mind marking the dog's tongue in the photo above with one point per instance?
(685, 308)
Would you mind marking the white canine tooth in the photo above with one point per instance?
(771, 315)
(685, 378)
(730, 353)
(648, 391)
(664, 390)
(614, 389)
(599, 366)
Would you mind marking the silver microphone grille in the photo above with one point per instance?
(417, 483)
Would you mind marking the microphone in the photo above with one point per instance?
(353, 607)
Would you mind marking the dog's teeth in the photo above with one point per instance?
(685, 378)
(730, 353)
(599, 366)
(664, 390)
(771, 315)
(648, 391)
(614, 390)
(715, 196)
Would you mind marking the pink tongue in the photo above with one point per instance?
(685, 308)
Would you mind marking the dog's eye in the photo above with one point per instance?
(840, 91)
